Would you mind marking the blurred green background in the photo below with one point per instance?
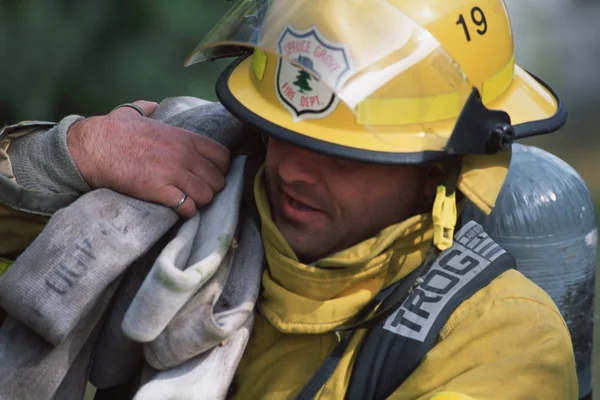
(81, 57)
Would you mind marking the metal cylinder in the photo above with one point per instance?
(544, 217)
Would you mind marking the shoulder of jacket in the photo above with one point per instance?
(511, 285)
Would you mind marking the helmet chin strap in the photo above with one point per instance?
(444, 212)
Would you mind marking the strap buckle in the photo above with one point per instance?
(444, 215)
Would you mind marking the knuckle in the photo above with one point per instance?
(213, 175)
(208, 195)
(227, 159)
(190, 159)
(205, 195)
(220, 182)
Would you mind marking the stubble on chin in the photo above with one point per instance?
(307, 244)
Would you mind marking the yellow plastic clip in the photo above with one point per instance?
(444, 216)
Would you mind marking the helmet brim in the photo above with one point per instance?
(526, 100)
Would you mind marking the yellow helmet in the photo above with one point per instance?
(386, 81)
(389, 81)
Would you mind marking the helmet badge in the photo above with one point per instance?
(304, 94)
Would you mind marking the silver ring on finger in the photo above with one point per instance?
(132, 105)
(180, 202)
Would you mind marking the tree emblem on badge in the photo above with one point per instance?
(303, 76)
(308, 69)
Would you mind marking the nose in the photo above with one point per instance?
(298, 165)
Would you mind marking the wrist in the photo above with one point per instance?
(81, 148)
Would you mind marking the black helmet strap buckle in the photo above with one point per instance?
(480, 130)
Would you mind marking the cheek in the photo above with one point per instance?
(354, 194)
(362, 196)
(354, 197)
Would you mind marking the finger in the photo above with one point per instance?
(170, 196)
(196, 188)
(212, 150)
(206, 171)
(147, 106)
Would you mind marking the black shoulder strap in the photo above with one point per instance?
(394, 347)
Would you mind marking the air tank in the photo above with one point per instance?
(544, 217)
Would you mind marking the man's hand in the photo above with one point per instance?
(148, 159)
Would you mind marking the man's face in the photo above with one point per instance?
(323, 204)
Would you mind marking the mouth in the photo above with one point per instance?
(297, 204)
(298, 211)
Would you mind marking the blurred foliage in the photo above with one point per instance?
(62, 57)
